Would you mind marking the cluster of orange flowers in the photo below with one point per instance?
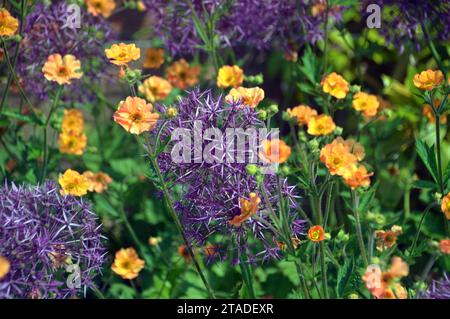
(76, 184)
(72, 139)
(317, 124)
(385, 284)
(341, 157)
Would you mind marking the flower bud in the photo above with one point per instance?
(171, 112)
(262, 115)
(252, 169)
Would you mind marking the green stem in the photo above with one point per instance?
(247, 276)
(438, 153)
(433, 50)
(362, 247)
(175, 217)
(413, 247)
(46, 125)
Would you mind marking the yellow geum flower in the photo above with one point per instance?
(135, 115)
(428, 80)
(127, 263)
(356, 176)
(100, 7)
(337, 157)
(321, 125)
(62, 69)
(73, 183)
(154, 58)
(368, 104)
(72, 143)
(335, 85)
(98, 182)
(8, 24)
(230, 76)
(302, 113)
(249, 97)
(445, 205)
(73, 121)
(155, 88)
(181, 75)
(122, 54)
(5, 266)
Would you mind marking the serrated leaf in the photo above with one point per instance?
(343, 276)
(426, 153)
(421, 184)
(367, 197)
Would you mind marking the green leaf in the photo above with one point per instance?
(344, 275)
(426, 153)
(367, 197)
(421, 184)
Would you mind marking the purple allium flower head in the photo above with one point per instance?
(402, 19)
(438, 289)
(208, 192)
(48, 239)
(261, 24)
(46, 33)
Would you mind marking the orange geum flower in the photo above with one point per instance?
(337, 157)
(155, 88)
(184, 252)
(5, 266)
(122, 54)
(335, 85)
(444, 246)
(445, 205)
(316, 233)
(249, 97)
(135, 115)
(387, 239)
(356, 176)
(98, 182)
(230, 76)
(8, 24)
(73, 183)
(302, 113)
(274, 151)
(321, 125)
(127, 263)
(100, 7)
(353, 147)
(248, 209)
(154, 58)
(72, 143)
(73, 121)
(181, 75)
(428, 80)
(368, 104)
(62, 69)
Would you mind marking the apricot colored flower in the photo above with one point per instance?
(445, 205)
(316, 233)
(5, 265)
(122, 54)
(248, 96)
(444, 246)
(428, 80)
(181, 75)
(356, 176)
(62, 69)
(274, 151)
(335, 85)
(230, 76)
(73, 183)
(321, 125)
(155, 88)
(429, 114)
(154, 58)
(72, 143)
(387, 239)
(98, 182)
(368, 104)
(127, 263)
(302, 113)
(398, 268)
(353, 146)
(248, 209)
(8, 24)
(135, 115)
(100, 7)
(337, 157)
(211, 250)
(73, 121)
